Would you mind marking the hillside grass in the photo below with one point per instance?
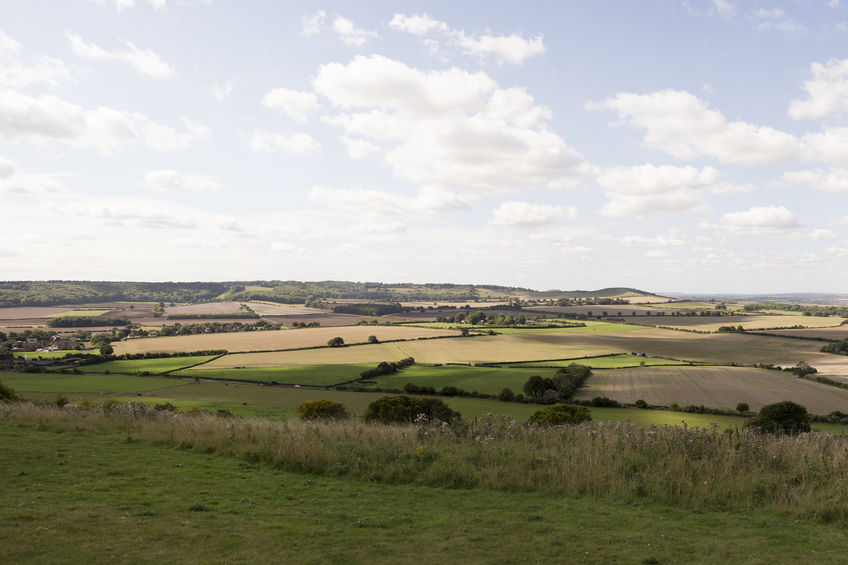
(153, 366)
(315, 375)
(81, 497)
(58, 353)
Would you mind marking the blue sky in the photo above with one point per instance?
(697, 146)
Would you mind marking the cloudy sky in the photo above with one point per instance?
(697, 145)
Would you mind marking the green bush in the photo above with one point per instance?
(604, 402)
(7, 394)
(403, 409)
(641, 404)
(742, 407)
(335, 342)
(784, 417)
(322, 410)
(558, 414)
(506, 395)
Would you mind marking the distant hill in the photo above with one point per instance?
(51, 293)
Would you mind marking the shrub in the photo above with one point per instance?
(106, 349)
(604, 402)
(165, 407)
(322, 410)
(641, 404)
(62, 400)
(784, 417)
(7, 394)
(558, 414)
(335, 342)
(410, 388)
(373, 339)
(742, 407)
(506, 395)
(403, 409)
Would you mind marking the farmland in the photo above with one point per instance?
(153, 366)
(316, 375)
(274, 340)
(748, 322)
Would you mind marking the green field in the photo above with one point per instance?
(65, 494)
(81, 387)
(89, 312)
(486, 380)
(316, 375)
(56, 354)
(607, 362)
(153, 366)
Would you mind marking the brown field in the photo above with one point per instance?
(205, 308)
(273, 340)
(32, 312)
(278, 309)
(646, 299)
(442, 303)
(749, 322)
(835, 333)
(611, 309)
(717, 387)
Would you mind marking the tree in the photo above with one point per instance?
(476, 317)
(403, 409)
(335, 342)
(742, 407)
(559, 414)
(784, 417)
(506, 395)
(106, 349)
(322, 410)
(373, 339)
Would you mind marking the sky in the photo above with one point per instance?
(693, 146)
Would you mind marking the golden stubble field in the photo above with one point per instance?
(717, 387)
(749, 322)
(273, 339)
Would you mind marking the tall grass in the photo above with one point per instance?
(804, 475)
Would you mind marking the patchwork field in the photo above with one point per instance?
(277, 309)
(749, 322)
(274, 340)
(28, 312)
(360, 354)
(153, 366)
(316, 375)
(836, 333)
(606, 362)
(205, 308)
(486, 380)
(717, 387)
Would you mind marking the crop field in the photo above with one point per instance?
(278, 309)
(749, 322)
(486, 380)
(29, 312)
(836, 333)
(360, 354)
(318, 375)
(205, 308)
(606, 362)
(717, 387)
(154, 366)
(274, 340)
(81, 312)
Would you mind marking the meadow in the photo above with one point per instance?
(316, 375)
(154, 366)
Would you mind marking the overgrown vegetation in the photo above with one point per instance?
(85, 322)
(322, 410)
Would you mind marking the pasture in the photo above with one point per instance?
(273, 340)
(56, 354)
(486, 380)
(320, 375)
(153, 366)
(45, 386)
(716, 387)
(360, 354)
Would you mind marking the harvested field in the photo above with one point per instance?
(596, 310)
(328, 320)
(749, 322)
(277, 309)
(441, 303)
(274, 340)
(205, 308)
(31, 312)
(716, 387)
(836, 333)
(608, 362)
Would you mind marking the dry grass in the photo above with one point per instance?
(205, 308)
(274, 340)
(716, 387)
(835, 333)
(31, 312)
(277, 309)
(749, 322)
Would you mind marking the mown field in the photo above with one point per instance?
(716, 387)
(274, 339)
(153, 366)
(320, 375)
(58, 353)
(486, 380)
(181, 506)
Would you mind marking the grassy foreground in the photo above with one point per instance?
(96, 498)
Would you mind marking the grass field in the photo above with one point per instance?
(154, 366)
(486, 380)
(81, 312)
(71, 490)
(81, 387)
(716, 387)
(360, 354)
(273, 340)
(606, 362)
(56, 354)
(320, 375)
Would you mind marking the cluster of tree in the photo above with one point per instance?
(731, 329)
(838, 347)
(783, 417)
(51, 293)
(591, 301)
(387, 368)
(371, 309)
(805, 309)
(560, 414)
(562, 386)
(405, 409)
(305, 324)
(85, 322)
(204, 328)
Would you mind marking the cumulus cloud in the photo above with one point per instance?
(126, 213)
(313, 24)
(295, 104)
(760, 220)
(14, 180)
(651, 189)
(349, 34)
(685, 127)
(170, 180)
(222, 91)
(725, 8)
(827, 91)
(14, 74)
(671, 238)
(514, 48)
(48, 119)
(360, 148)
(528, 214)
(361, 200)
(145, 61)
(834, 180)
(158, 5)
(296, 144)
(449, 128)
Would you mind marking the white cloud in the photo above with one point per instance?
(296, 144)
(314, 24)
(685, 127)
(827, 91)
(295, 104)
(760, 220)
(144, 61)
(822, 235)
(776, 19)
(512, 48)
(672, 238)
(428, 200)
(349, 34)
(8, 46)
(527, 214)
(14, 180)
(286, 247)
(222, 91)
(448, 127)
(375, 223)
(833, 180)
(655, 254)
(833, 4)
(360, 148)
(126, 213)
(651, 189)
(170, 180)
(48, 119)
(13, 74)
(725, 8)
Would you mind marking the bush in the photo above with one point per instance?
(165, 407)
(403, 409)
(62, 400)
(7, 394)
(742, 407)
(641, 404)
(506, 395)
(558, 414)
(373, 339)
(335, 342)
(784, 417)
(604, 402)
(322, 410)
